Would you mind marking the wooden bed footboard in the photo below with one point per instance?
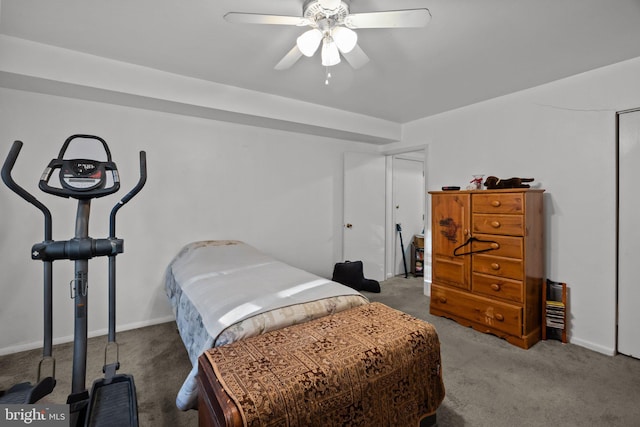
(215, 406)
(217, 409)
(370, 365)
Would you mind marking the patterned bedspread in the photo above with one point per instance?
(367, 366)
(223, 291)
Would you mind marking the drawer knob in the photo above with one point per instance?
(495, 266)
(495, 245)
(495, 287)
(495, 203)
(499, 317)
(495, 224)
(443, 300)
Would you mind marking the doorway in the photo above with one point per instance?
(408, 207)
(419, 155)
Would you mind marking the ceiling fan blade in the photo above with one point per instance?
(356, 57)
(256, 18)
(410, 18)
(289, 59)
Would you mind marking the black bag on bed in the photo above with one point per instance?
(350, 274)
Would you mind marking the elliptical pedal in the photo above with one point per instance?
(27, 393)
(113, 403)
(19, 393)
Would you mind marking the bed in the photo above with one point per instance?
(225, 291)
(238, 310)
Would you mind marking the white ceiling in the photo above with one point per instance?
(472, 50)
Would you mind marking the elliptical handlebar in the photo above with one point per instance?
(7, 167)
(141, 182)
(45, 385)
(10, 162)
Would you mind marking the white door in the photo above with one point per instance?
(629, 235)
(364, 212)
(408, 206)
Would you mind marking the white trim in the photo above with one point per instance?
(427, 287)
(388, 213)
(609, 351)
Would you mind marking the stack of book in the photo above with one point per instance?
(554, 311)
(555, 314)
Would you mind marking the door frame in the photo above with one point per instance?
(403, 196)
(617, 267)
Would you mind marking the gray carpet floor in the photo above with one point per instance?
(488, 381)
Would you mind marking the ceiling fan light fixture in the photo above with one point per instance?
(309, 41)
(345, 38)
(330, 54)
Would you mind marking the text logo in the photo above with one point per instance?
(34, 415)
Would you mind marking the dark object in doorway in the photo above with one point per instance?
(351, 274)
(493, 182)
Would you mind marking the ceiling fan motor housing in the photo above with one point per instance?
(315, 12)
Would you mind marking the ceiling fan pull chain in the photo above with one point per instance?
(326, 81)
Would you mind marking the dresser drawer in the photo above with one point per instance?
(498, 287)
(498, 315)
(498, 203)
(506, 246)
(498, 266)
(511, 225)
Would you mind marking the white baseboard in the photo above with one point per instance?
(96, 333)
(592, 346)
(427, 288)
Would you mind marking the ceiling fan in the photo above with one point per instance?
(333, 26)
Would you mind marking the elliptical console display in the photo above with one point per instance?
(82, 178)
(85, 171)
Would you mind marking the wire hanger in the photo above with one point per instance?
(471, 240)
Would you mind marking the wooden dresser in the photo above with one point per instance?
(492, 283)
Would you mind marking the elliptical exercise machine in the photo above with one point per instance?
(85, 172)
